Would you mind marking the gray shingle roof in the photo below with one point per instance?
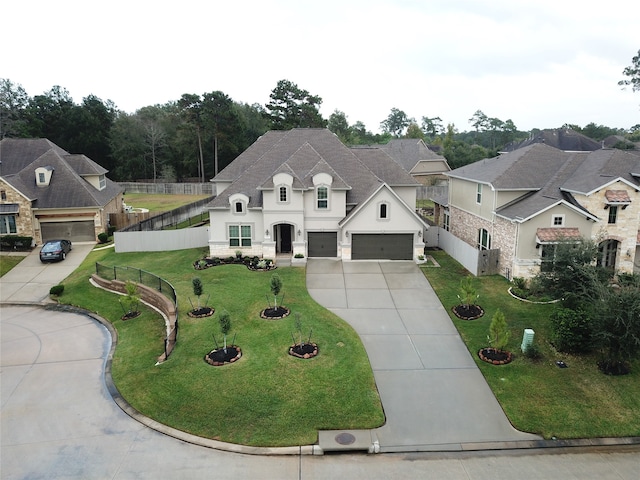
(305, 152)
(409, 151)
(548, 176)
(564, 139)
(67, 189)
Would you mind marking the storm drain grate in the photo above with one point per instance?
(345, 438)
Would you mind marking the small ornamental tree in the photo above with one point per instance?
(276, 286)
(197, 288)
(225, 326)
(498, 331)
(131, 299)
(468, 293)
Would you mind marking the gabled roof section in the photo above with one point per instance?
(354, 212)
(67, 188)
(409, 151)
(384, 166)
(18, 153)
(602, 168)
(303, 150)
(529, 168)
(565, 139)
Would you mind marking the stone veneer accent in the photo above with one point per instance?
(625, 230)
(24, 219)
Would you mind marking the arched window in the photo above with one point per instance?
(282, 194)
(239, 207)
(383, 211)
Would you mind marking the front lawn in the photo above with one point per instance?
(537, 396)
(7, 262)
(267, 398)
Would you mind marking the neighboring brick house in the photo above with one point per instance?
(524, 202)
(302, 191)
(46, 192)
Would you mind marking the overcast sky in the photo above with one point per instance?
(540, 63)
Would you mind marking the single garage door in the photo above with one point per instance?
(74, 231)
(382, 246)
(323, 244)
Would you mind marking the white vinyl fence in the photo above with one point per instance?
(161, 240)
(464, 253)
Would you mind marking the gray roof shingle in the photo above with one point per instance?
(67, 189)
(305, 152)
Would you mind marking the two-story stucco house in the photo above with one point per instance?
(48, 193)
(520, 204)
(302, 191)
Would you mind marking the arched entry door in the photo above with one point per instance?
(608, 251)
(284, 238)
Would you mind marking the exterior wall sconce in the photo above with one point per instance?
(346, 234)
(299, 233)
(266, 233)
(419, 233)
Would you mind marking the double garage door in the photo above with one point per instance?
(371, 246)
(81, 231)
(382, 246)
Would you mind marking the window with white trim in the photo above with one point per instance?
(239, 235)
(479, 193)
(41, 178)
(8, 224)
(103, 182)
(484, 239)
(383, 211)
(282, 194)
(239, 207)
(558, 220)
(613, 214)
(322, 197)
(445, 221)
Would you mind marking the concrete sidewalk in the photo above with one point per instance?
(432, 392)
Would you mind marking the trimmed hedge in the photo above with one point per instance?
(15, 242)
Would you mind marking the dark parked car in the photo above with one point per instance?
(55, 250)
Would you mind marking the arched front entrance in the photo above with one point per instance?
(284, 238)
(607, 253)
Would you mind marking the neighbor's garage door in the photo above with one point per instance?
(323, 244)
(74, 231)
(379, 246)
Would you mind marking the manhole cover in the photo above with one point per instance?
(345, 438)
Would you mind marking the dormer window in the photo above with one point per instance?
(283, 194)
(322, 197)
(238, 203)
(43, 176)
(103, 182)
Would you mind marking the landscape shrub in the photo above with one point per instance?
(56, 290)
(103, 237)
(571, 330)
(15, 242)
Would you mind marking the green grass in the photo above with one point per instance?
(267, 398)
(157, 203)
(536, 395)
(7, 262)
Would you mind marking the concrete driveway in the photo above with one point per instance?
(432, 392)
(31, 280)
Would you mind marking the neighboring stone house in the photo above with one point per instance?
(422, 163)
(47, 193)
(520, 204)
(302, 191)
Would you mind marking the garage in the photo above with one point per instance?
(382, 246)
(81, 231)
(322, 244)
